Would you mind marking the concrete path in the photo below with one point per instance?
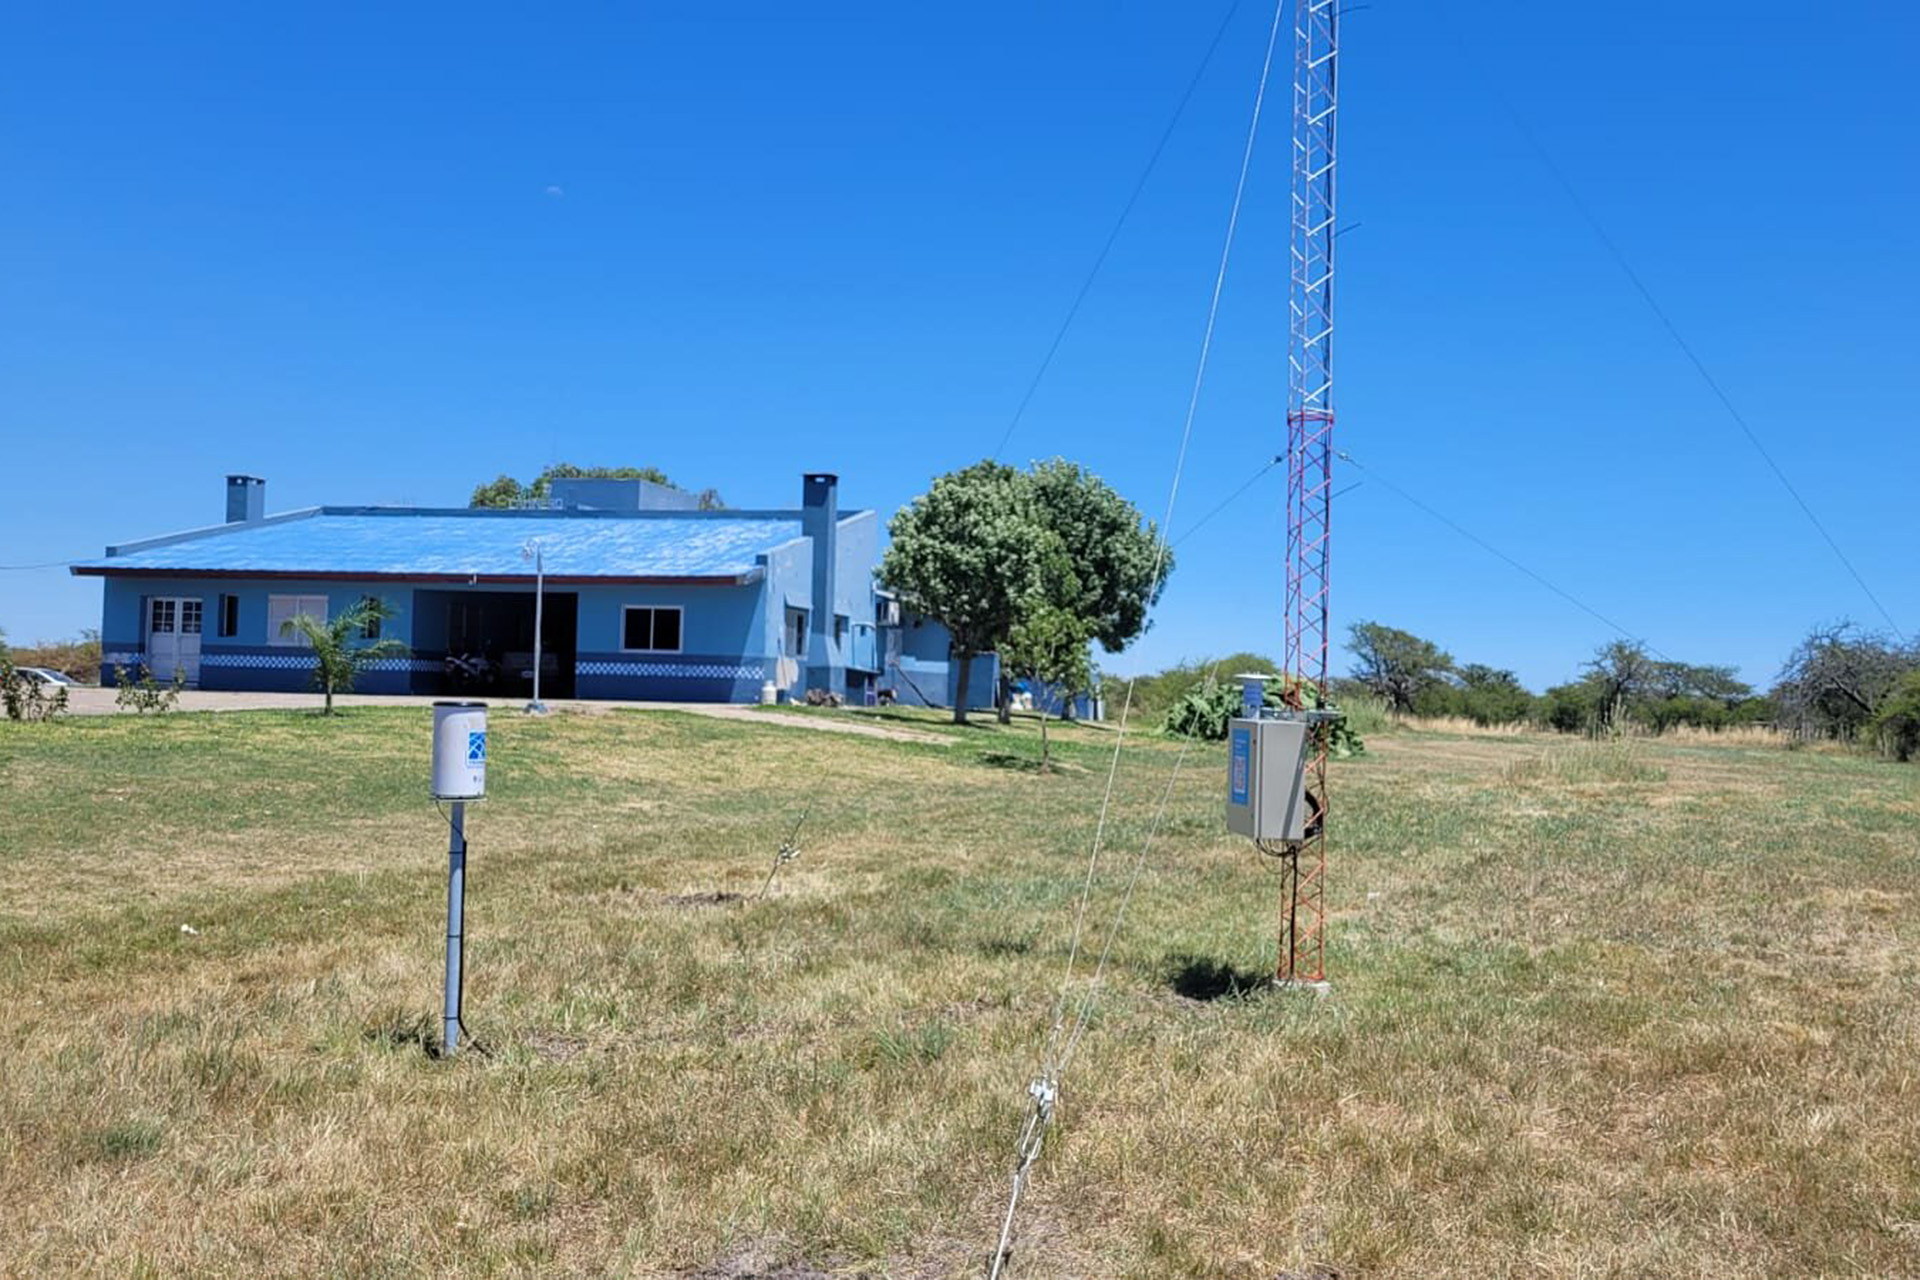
(100, 702)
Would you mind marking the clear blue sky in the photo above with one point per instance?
(378, 253)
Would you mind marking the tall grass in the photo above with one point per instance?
(1366, 715)
(1605, 760)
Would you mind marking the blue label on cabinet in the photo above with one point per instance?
(1240, 766)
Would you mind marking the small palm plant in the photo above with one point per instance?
(337, 659)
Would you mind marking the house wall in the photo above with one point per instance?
(921, 671)
(724, 653)
(726, 650)
(732, 636)
(789, 584)
(246, 660)
(858, 556)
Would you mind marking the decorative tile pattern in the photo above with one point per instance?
(304, 662)
(679, 670)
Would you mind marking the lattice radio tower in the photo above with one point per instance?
(1310, 460)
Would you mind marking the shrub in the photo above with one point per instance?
(28, 700)
(1204, 710)
(1571, 708)
(1896, 725)
(142, 693)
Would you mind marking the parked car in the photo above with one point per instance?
(46, 675)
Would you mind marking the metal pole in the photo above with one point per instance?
(539, 601)
(456, 912)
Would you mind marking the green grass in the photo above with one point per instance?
(1650, 1013)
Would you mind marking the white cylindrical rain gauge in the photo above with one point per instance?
(459, 750)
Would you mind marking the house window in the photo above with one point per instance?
(283, 609)
(370, 630)
(840, 629)
(650, 629)
(796, 633)
(190, 616)
(227, 624)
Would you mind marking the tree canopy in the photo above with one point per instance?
(1112, 552)
(505, 491)
(1054, 551)
(1395, 665)
(1835, 681)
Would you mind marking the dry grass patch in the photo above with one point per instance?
(1571, 1032)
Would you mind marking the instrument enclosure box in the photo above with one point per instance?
(1267, 778)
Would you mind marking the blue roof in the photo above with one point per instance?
(428, 544)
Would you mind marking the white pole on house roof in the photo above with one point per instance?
(532, 551)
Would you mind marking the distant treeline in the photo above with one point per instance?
(1840, 683)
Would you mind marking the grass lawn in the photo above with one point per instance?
(1640, 1010)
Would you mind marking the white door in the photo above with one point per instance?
(173, 637)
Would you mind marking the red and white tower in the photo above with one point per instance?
(1310, 458)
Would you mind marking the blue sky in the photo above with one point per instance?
(378, 254)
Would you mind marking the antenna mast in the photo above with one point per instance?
(1316, 37)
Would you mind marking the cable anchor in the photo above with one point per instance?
(788, 851)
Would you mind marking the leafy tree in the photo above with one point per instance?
(1396, 665)
(500, 492)
(1571, 708)
(1621, 673)
(1118, 567)
(1048, 645)
(1489, 695)
(986, 540)
(337, 655)
(1896, 724)
(1684, 680)
(969, 554)
(505, 491)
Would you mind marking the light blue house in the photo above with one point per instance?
(644, 598)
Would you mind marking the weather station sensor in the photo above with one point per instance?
(459, 776)
(1276, 788)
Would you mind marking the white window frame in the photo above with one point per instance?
(280, 608)
(653, 608)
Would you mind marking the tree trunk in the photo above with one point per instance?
(965, 659)
(1043, 740)
(1003, 697)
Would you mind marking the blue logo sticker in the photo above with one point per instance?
(477, 748)
(1240, 768)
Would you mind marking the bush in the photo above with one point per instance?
(1896, 725)
(1571, 708)
(143, 693)
(28, 700)
(1206, 707)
